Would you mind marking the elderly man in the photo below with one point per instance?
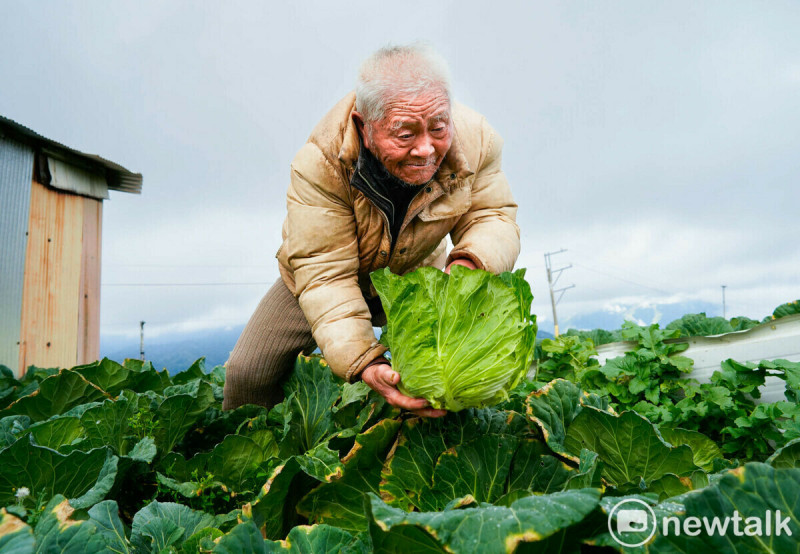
(386, 175)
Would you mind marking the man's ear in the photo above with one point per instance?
(358, 119)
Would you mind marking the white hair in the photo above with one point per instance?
(395, 71)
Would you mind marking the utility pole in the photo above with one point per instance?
(552, 282)
(141, 340)
(723, 301)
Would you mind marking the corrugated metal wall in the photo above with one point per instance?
(16, 174)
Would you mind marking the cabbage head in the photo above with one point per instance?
(461, 340)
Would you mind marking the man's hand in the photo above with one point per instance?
(383, 379)
(460, 261)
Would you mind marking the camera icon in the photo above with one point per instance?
(632, 522)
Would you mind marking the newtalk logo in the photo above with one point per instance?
(634, 516)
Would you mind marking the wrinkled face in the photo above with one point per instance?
(413, 137)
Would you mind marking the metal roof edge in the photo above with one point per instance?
(118, 177)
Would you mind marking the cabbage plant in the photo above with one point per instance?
(461, 340)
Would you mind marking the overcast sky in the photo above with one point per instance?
(659, 142)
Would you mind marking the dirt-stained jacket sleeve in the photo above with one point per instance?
(488, 233)
(323, 253)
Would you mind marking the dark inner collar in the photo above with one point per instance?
(374, 170)
(388, 193)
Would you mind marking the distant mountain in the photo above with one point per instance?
(613, 318)
(176, 351)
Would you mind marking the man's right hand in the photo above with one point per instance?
(383, 379)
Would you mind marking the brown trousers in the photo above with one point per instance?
(266, 351)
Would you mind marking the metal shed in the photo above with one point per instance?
(51, 198)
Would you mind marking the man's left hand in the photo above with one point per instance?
(382, 378)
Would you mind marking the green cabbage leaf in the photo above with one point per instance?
(461, 340)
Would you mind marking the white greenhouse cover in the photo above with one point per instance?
(777, 339)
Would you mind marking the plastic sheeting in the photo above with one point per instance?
(773, 340)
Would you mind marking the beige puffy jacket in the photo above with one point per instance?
(333, 236)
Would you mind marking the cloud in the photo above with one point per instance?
(658, 147)
(232, 251)
(792, 73)
(653, 263)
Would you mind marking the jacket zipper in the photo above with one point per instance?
(407, 218)
(383, 215)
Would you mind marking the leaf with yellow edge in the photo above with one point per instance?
(59, 531)
(340, 502)
(487, 529)
(15, 534)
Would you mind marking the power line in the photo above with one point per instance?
(150, 321)
(626, 271)
(187, 265)
(662, 291)
(183, 284)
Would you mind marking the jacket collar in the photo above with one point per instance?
(454, 163)
(372, 168)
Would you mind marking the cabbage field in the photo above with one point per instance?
(111, 457)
